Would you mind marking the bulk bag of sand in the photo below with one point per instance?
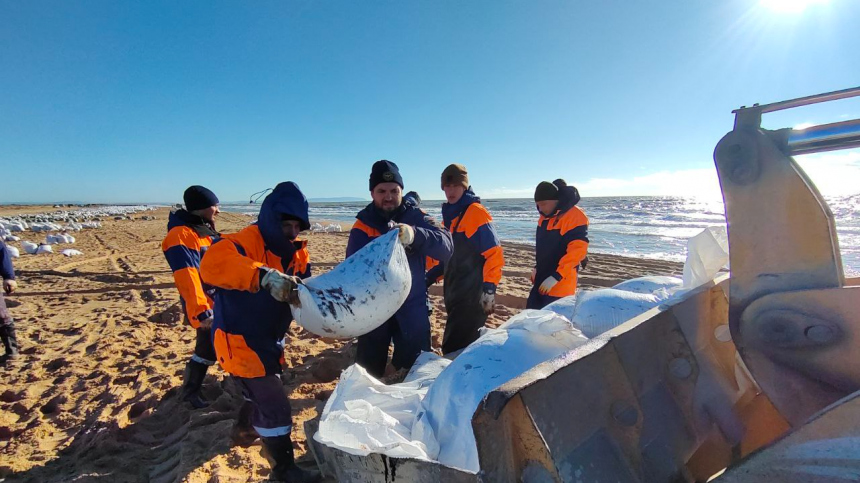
(29, 247)
(600, 310)
(650, 285)
(444, 423)
(44, 249)
(359, 294)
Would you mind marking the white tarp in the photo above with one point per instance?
(365, 416)
(359, 294)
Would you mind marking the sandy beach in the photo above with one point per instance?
(94, 396)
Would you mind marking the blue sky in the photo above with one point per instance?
(106, 101)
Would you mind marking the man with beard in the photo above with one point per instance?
(409, 328)
(190, 232)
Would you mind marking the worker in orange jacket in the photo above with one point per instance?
(474, 271)
(189, 233)
(561, 243)
(256, 272)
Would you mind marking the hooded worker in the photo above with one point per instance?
(475, 269)
(422, 237)
(561, 243)
(190, 232)
(256, 272)
(7, 325)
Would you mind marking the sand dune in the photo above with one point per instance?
(94, 396)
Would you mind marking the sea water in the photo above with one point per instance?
(636, 226)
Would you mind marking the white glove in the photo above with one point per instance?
(9, 285)
(488, 302)
(406, 235)
(282, 286)
(207, 323)
(547, 285)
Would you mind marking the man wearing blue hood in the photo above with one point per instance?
(189, 233)
(422, 237)
(475, 269)
(256, 272)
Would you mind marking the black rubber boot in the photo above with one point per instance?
(243, 433)
(195, 372)
(10, 340)
(284, 468)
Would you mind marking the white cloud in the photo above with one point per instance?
(505, 192)
(835, 174)
(689, 182)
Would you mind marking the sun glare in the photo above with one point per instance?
(790, 6)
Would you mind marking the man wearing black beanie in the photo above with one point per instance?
(190, 232)
(422, 237)
(561, 243)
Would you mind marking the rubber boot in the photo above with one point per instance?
(10, 340)
(243, 433)
(195, 372)
(284, 468)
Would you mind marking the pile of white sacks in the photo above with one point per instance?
(58, 221)
(428, 416)
(330, 228)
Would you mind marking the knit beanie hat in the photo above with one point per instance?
(199, 198)
(546, 191)
(414, 196)
(385, 171)
(455, 174)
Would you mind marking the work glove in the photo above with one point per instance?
(207, 323)
(488, 302)
(547, 285)
(9, 286)
(406, 235)
(283, 287)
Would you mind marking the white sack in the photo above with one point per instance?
(650, 285)
(29, 247)
(707, 253)
(600, 310)
(359, 294)
(70, 252)
(44, 249)
(365, 416)
(13, 252)
(444, 424)
(12, 238)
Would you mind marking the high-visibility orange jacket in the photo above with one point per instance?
(561, 243)
(250, 324)
(187, 239)
(472, 230)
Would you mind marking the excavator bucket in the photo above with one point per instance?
(682, 392)
(754, 375)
